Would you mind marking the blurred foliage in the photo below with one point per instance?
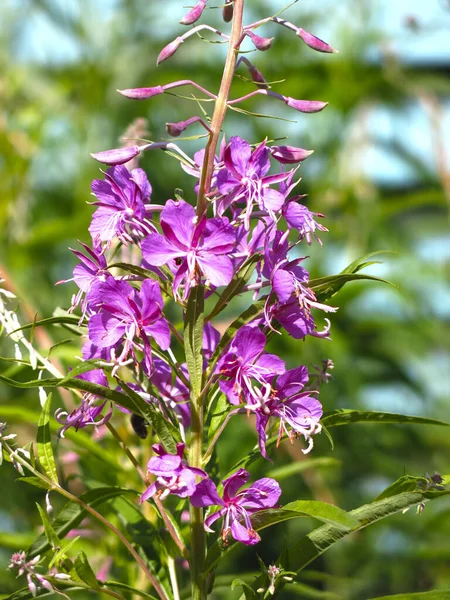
(390, 348)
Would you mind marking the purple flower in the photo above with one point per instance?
(237, 506)
(122, 212)
(301, 218)
(296, 319)
(244, 177)
(294, 408)
(244, 361)
(174, 476)
(123, 314)
(195, 248)
(92, 269)
(36, 582)
(87, 412)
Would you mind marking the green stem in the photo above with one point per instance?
(220, 107)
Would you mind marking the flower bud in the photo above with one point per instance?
(118, 156)
(194, 14)
(142, 93)
(176, 129)
(260, 43)
(258, 77)
(289, 155)
(227, 11)
(169, 50)
(305, 106)
(314, 42)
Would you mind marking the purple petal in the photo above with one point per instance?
(218, 236)
(271, 364)
(157, 250)
(149, 492)
(142, 93)
(289, 155)
(272, 200)
(206, 495)
(237, 156)
(292, 381)
(305, 106)
(178, 223)
(233, 483)
(218, 270)
(105, 329)
(164, 465)
(139, 176)
(152, 300)
(249, 537)
(248, 343)
(283, 285)
(264, 493)
(160, 332)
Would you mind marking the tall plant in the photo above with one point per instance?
(183, 385)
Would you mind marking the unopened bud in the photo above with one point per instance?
(118, 156)
(176, 129)
(169, 50)
(289, 155)
(305, 106)
(227, 11)
(258, 78)
(142, 93)
(314, 42)
(420, 508)
(194, 14)
(260, 43)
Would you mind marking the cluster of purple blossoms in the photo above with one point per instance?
(146, 255)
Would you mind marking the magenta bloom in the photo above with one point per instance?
(123, 314)
(244, 178)
(172, 391)
(191, 248)
(294, 408)
(245, 361)
(174, 476)
(237, 506)
(121, 210)
(87, 412)
(301, 218)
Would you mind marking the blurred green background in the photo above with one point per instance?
(380, 174)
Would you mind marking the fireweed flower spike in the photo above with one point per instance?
(237, 506)
(173, 475)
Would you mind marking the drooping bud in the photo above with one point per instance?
(142, 93)
(169, 50)
(194, 14)
(314, 42)
(176, 129)
(227, 11)
(305, 106)
(260, 43)
(118, 156)
(289, 155)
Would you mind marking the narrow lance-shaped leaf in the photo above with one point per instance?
(432, 595)
(347, 417)
(85, 572)
(235, 286)
(49, 532)
(44, 443)
(193, 338)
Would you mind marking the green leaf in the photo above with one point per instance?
(72, 514)
(328, 513)
(249, 594)
(235, 286)
(407, 483)
(193, 338)
(61, 320)
(85, 572)
(167, 433)
(294, 468)
(326, 287)
(136, 405)
(346, 417)
(25, 594)
(341, 520)
(432, 595)
(248, 315)
(35, 481)
(44, 443)
(318, 541)
(49, 532)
